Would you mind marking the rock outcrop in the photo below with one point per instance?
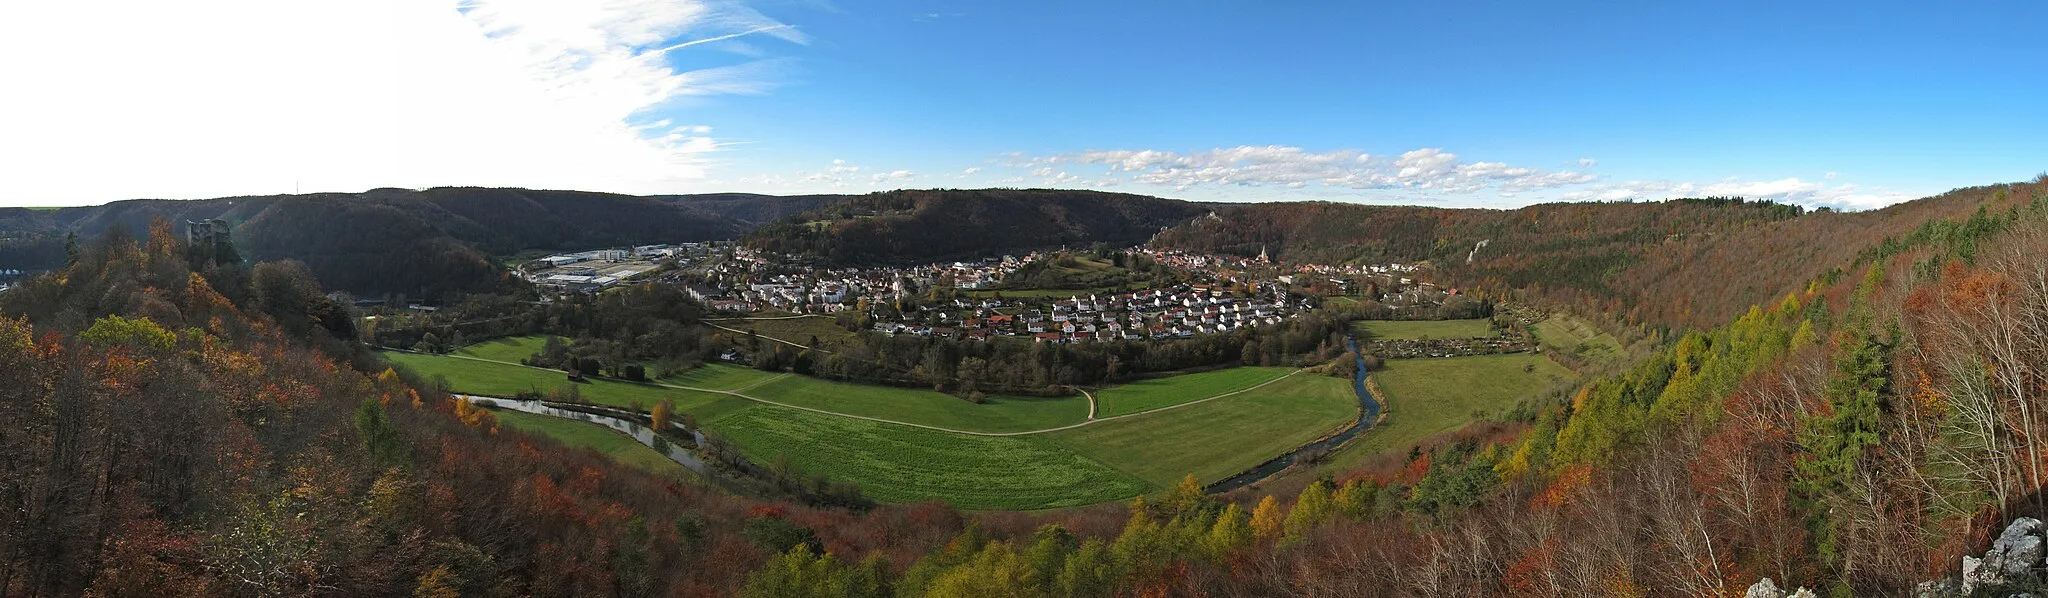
(1767, 589)
(2014, 561)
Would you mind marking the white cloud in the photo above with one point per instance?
(198, 99)
(1422, 170)
(1844, 196)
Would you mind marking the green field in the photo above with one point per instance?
(902, 464)
(719, 376)
(1394, 330)
(1216, 439)
(512, 348)
(597, 438)
(505, 380)
(1572, 336)
(1146, 395)
(997, 414)
(1432, 396)
(795, 330)
(1102, 461)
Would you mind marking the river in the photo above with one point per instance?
(1368, 414)
(632, 428)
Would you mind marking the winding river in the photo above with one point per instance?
(596, 415)
(1368, 414)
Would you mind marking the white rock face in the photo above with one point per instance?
(1764, 589)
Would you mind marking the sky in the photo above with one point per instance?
(1461, 103)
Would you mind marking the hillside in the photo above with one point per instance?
(926, 225)
(424, 244)
(1644, 263)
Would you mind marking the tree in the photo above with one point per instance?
(1232, 530)
(379, 437)
(1266, 520)
(1311, 508)
(659, 417)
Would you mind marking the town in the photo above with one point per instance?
(1151, 294)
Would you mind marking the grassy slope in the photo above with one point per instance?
(1105, 461)
(594, 437)
(502, 380)
(513, 349)
(1146, 395)
(902, 464)
(1431, 396)
(1219, 438)
(998, 414)
(1387, 330)
(1572, 336)
(795, 330)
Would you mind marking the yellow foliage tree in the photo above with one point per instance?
(434, 584)
(1266, 519)
(1311, 509)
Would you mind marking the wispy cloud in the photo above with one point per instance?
(1427, 169)
(251, 96)
(1824, 193)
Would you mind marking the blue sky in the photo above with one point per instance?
(1447, 103)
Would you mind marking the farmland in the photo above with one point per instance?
(902, 464)
(794, 330)
(1394, 330)
(594, 437)
(1149, 394)
(1572, 336)
(1104, 460)
(1216, 439)
(918, 406)
(513, 348)
(1430, 396)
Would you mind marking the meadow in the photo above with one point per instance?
(919, 406)
(1153, 393)
(512, 348)
(1101, 461)
(893, 463)
(1393, 330)
(1216, 439)
(1572, 336)
(799, 331)
(1427, 397)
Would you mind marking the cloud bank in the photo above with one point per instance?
(127, 98)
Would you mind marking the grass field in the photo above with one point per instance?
(998, 414)
(1103, 461)
(1573, 336)
(1393, 330)
(903, 464)
(795, 330)
(595, 437)
(719, 376)
(1431, 396)
(503, 380)
(1146, 395)
(1216, 439)
(511, 348)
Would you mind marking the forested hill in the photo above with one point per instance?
(926, 225)
(426, 244)
(1680, 263)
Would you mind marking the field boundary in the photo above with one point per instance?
(737, 394)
